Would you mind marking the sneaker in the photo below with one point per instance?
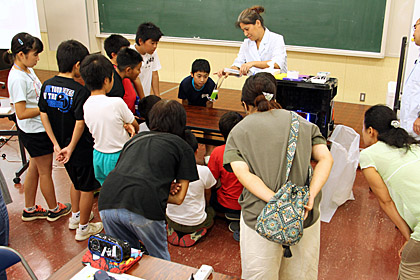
(189, 240)
(63, 210)
(236, 236)
(39, 213)
(233, 216)
(92, 229)
(173, 237)
(74, 222)
(234, 226)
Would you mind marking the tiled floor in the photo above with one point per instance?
(360, 242)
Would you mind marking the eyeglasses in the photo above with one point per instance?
(415, 26)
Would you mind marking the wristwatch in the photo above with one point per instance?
(418, 114)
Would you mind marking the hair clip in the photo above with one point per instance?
(9, 51)
(20, 41)
(268, 96)
(395, 124)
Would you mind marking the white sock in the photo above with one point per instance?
(83, 227)
(75, 215)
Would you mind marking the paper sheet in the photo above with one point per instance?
(87, 274)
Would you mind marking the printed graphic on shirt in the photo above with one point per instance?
(148, 62)
(59, 97)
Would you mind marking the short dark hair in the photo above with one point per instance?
(379, 117)
(252, 91)
(200, 65)
(95, 69)
(227, 122)
(114, 43)
(69, 53)
(127, 57)
(191, 139)
(168, 116)
(22, 42)
(147, 31)
(146, 104)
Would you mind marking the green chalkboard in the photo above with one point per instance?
(337, 24)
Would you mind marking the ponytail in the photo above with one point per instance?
(22, 42)
(259, 91)
(262, 103)
(383, 119)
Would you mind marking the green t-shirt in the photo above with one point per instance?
(398, 169)
(261, 141)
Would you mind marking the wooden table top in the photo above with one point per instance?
(148, 268)
(203, 118)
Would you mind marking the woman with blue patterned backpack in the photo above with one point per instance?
(256, 152)
(390, 164)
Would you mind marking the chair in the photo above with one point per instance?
(9, 257)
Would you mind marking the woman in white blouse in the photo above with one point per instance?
(262, 49)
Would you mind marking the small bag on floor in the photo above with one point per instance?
(281, 220)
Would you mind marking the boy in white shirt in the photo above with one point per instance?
(147, 39)
(188, 222)
(107, 118)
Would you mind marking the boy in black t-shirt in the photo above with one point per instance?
(198, 87)
(61, 105)
(112, 45)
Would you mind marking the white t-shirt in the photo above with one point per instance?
(272, 48)
(192, 210)
(26, 87)
(105, 117)
(143, 127)
(150, 63)
(410, 100)
(398, 169)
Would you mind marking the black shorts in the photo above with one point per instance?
(37, 144)
(83, 177)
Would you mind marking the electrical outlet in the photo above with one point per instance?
(362, 97)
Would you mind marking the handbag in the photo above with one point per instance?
(281, 220)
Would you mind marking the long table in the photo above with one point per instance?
(205, 121)
(148, 268)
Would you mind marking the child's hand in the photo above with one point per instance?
(175, 188)
(57, 151)
(65, 155)
(130, 129)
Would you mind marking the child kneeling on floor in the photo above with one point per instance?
(188, 222)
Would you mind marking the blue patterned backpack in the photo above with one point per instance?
(281, 220)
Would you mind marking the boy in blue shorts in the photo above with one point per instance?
(198, 87)
(61, 106)
(108, 118)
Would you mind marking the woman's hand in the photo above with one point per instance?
(308, 207)
(402, 249)
(245, 68)
(221, 73)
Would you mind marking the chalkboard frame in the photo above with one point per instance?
(215, 42)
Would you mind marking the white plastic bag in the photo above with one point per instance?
(338, 188)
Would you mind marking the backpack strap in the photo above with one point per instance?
(292, 142)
